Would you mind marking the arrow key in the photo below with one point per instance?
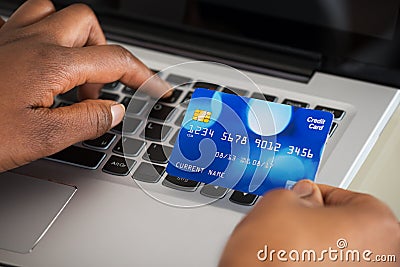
(213, 191)
(241, 198)
(118, 166)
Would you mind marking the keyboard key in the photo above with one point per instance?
(161, 112)
(295, 103)
(155, 132)
(173, 98)
(102, 142)
(241, 198)
(108, 96)
(149, 173)
(118, 166)
(333, 129)
(269, 98)
(129, 147)
(129, 125)
(63, 104)
(70, 96)
(79, 156)
(234, 91)
(111, 86)
(180, 183)
(136, 107)
(173, 139)
(130, 91)
(337, 114)
(206, 85)
(178, 80)
(187, 98)
(126, 102)
(213, 191)
(179, 120)
(158, 153)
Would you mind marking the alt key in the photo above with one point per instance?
(118, 166)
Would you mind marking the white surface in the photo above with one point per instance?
(380, 173)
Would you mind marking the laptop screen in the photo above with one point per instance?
(347, 34)
(355, 38)
(373, 18)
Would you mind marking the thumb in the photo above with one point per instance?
(65, 126)
(309, 193)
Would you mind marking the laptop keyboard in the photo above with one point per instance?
(150, 143)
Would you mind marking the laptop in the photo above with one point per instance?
(95, 204)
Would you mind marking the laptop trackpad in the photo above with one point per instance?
(28, 207)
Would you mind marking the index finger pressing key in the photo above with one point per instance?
(108, 63)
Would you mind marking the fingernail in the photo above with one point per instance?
(118, 112)
(303, 189)
(168, 93)
(168, 89)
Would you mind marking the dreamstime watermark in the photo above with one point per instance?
(340, 253)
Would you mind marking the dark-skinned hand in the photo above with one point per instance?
(44, 53)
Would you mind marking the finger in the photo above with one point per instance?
(309, 193)
(2, 21)
(362, 203)
(108, 63)
(92, 91)
(74, 26)
(85, 120)
(29, 13)
(334, 196)
(89, 91)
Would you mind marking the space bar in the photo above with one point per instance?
(80, 157)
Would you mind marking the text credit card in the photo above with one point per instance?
(247, 144)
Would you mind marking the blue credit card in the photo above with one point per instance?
(247, 144)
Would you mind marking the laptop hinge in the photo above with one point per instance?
(274, 60)
(283, 62)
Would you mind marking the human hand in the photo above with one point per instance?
(315, 218)
(44, 53)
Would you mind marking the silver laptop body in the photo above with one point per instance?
(135, 220)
